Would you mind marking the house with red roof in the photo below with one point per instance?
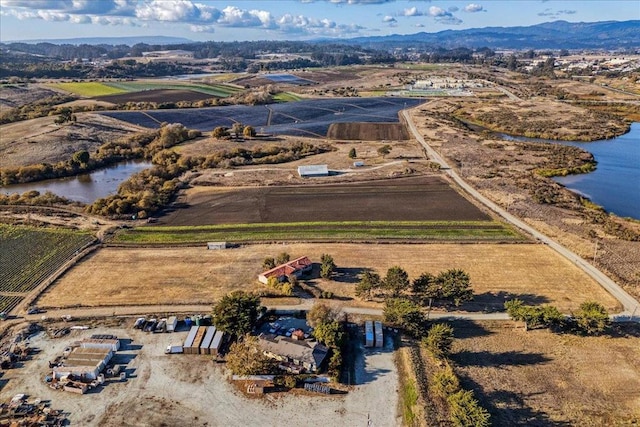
(296, 267)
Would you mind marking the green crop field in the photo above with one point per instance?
(324, 231)
(220, 90)
(89, 89)
(286, 97)
(29, 255)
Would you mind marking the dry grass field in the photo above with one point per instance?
(138, 276)
(42, 141)
(539, 378)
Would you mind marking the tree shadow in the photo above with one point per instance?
(499, 360)
(491, 302)
(466, 328)
(348, 275)
(508, 408)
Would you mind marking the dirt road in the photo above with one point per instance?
(631, 306)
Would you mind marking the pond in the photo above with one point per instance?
(615, 184)
(84, 188)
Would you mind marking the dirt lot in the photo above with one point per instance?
(539, 378)
(192, 390)
(403, 199)
(156, 95)
(368, 131)
(123, 276)
(41, 141)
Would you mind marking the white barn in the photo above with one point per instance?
(313, 170)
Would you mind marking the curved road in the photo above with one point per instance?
(631, 311)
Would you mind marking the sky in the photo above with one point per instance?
(222, 20)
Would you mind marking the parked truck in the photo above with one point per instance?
(174, 349)
(172, 323)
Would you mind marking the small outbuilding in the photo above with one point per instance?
(310, 171)
(216, 245)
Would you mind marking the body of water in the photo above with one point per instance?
(615, 184)
(84, 188)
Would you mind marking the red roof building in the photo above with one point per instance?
(296, 267)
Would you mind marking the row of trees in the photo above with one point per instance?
(591, 318)
(452, 285)
(463, 408)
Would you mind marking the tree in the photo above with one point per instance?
(330, 334)
(246, 358)
(283, 258)
(425, 288)
(405, 314)
(249, 132)
(328, 266)
(268, 263)
(384, 150)
(592, 318)
(465, 411)
(81, 157)
(439, 340)
(236, 313)
(237, 129)
(368, 283)
(533, 316)
(396, 280)
(320, 313)
(352, 153)
(454, 285)
(65, 115)
(220, 132)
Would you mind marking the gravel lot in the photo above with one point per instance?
(192, 390)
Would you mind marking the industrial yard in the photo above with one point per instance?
(186, 388)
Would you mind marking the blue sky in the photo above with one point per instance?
(222, 20)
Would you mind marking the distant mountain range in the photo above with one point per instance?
(549, 35)
(114, 41)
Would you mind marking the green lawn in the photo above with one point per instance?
(323, 231)
(89, 89)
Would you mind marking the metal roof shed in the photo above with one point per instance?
(216, 343)
(368, 333)
(313, 170)
(192, 335)
(379, 334)
(206, 342)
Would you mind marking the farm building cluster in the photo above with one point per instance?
(82, 365)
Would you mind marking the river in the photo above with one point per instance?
(615, 184)
(84, 188)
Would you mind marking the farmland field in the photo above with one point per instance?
(420, 198)
(287, 78)
(29, 255)
(140, 276)
(302, 118)
(89, 89)
(156, 95)
(539, 378)
(379, 231)
(217, 89)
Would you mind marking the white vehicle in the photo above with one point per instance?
(174, 349)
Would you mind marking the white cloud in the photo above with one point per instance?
(193, 14)
(473, 7)
(449, 20)
(412, 11)
(438, 11)
(389, 18)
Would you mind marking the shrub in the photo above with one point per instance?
(445, 382)
(439, 340)
(465, 411)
